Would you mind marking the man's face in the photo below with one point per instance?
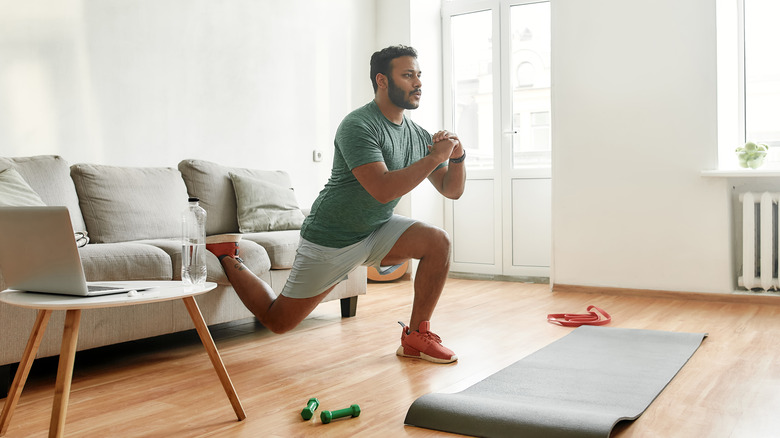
(403, 84)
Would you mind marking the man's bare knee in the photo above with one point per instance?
(439, 240)
(278, 327)
(286, 313)
(280, 322)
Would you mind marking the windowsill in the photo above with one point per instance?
(768, 171)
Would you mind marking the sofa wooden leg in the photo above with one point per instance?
(348, 307)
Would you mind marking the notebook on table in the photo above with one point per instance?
(38, 253)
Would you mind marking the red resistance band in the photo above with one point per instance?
(578, 319)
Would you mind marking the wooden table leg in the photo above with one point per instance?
(24, 369)
(216, 360)
(70, 336)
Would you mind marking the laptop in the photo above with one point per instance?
(38, 253)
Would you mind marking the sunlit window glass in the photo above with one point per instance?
(762, 71)
(531, 138)
(473, 85)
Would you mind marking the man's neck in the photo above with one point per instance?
(392, 112)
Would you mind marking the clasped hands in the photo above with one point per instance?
(446, 145)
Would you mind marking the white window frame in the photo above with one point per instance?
(731, 80)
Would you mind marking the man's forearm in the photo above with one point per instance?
(402, 181)
(454, 181)
(386, 185)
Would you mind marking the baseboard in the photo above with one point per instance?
(769, 298)
(495, 277)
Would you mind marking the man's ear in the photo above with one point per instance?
(381, 80)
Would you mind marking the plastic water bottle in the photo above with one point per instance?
(193, 243)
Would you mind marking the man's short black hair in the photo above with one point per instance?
(380, 61)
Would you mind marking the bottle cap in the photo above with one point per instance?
(193, 199)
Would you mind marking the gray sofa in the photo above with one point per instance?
(132, 217)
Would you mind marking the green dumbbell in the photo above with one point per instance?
(308, 411)
(352, 411)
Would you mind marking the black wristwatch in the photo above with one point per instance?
(459, 159)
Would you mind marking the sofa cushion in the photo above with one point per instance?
(49, 177)
(211, 183)
(265, 206)
(125, 261)
(130, 203)
(15, 192)
(255, 259)
(280, 245)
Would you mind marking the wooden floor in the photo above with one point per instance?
(167, 387)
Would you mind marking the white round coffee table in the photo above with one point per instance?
(47, 303)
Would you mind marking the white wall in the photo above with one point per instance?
(426, 203)
(148, 83)
(634, 123)
(418, 23)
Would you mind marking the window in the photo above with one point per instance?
(762, 71)
(748, 78)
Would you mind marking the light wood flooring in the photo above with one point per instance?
(167, 387)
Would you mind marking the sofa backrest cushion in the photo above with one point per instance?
(265, 206)
(15, 192)
(130, 203)
(211, 183)
(49, 177)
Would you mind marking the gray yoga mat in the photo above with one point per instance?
(579, 386)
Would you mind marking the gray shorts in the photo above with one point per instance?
(316, 268)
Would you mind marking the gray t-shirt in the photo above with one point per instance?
(344, 213)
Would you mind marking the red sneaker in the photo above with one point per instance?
(424, 344)
(222, 245)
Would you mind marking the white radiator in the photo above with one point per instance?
(759, 241)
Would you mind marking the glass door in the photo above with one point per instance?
(497, 66)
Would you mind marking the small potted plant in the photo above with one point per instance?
(752, 155)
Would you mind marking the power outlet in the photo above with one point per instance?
(316, 155)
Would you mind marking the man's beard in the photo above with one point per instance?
(399, 97)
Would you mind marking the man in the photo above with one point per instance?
(380, 155)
